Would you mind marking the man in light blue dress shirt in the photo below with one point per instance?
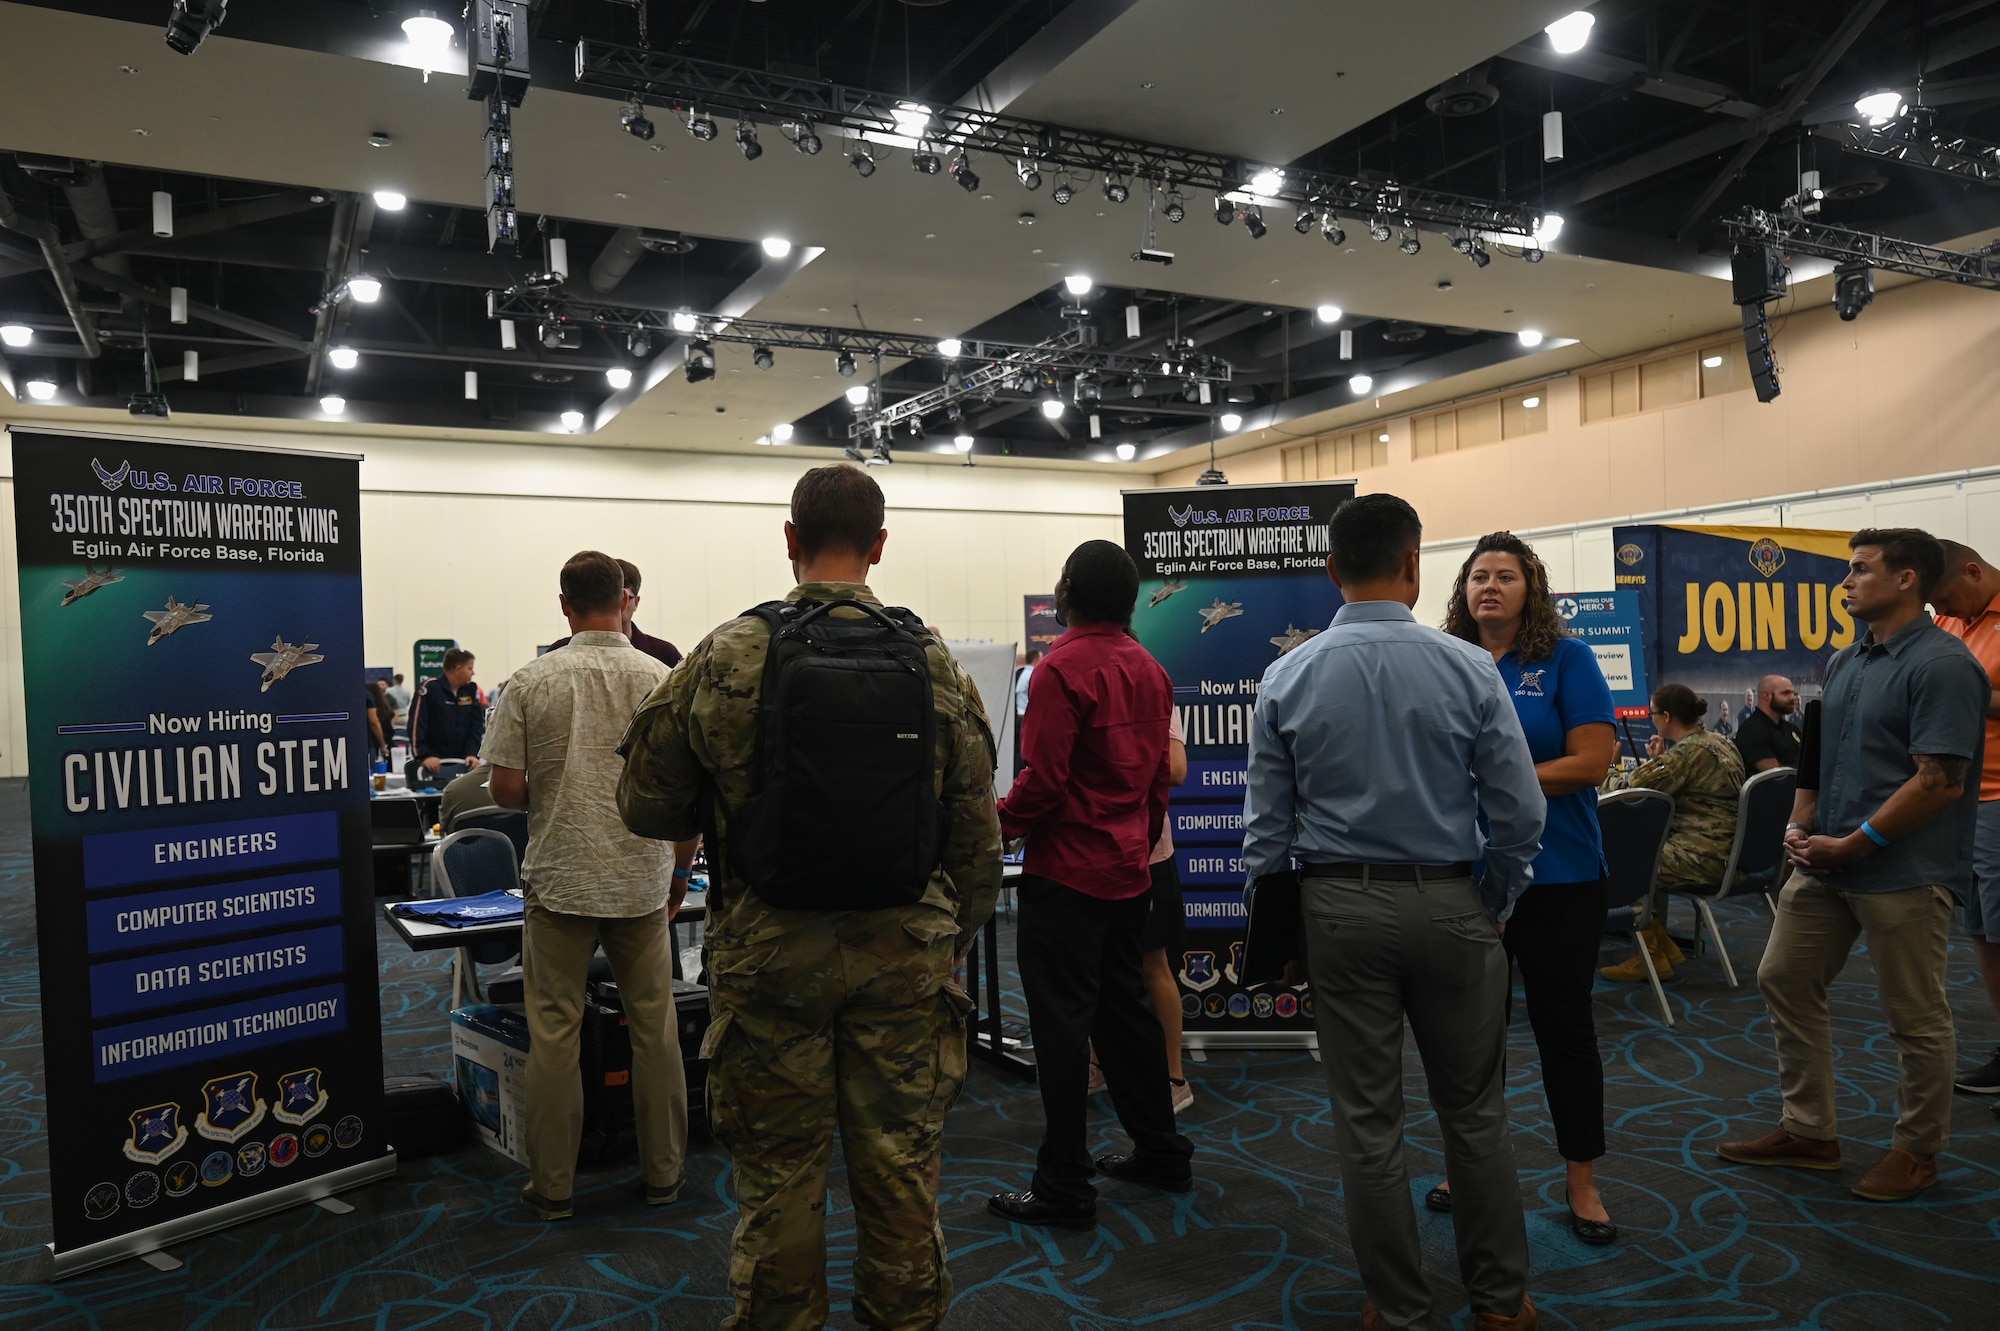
(1375, 747)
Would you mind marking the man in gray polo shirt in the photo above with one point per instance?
(1373, 751)
(1883, 849)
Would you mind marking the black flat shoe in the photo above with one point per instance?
(1025, 1208)
(1131, 1169)
(1438, 1199)
(1597, 1233)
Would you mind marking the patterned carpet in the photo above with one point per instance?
(1258, 1246)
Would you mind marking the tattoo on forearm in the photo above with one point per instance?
(1942, 772)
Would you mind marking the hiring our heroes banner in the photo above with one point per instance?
(191, 637)
(1721, 607)
(1230, 578)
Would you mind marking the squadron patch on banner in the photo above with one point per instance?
(100, 1202)
(233, 1107)
(215, 1170)
(317, 1141)
(182, 1178)
(1766, 556)
(251, 1157)
(300, 1097)
(284, 1149)
(1190, 1005)
(1233, 972)
(1262, 1005)
(1286, 1005)
(1214, 1005)
(1239, 1005)
(1198, 971)
(142, 1189)
(157, 1133)
(347, 1132)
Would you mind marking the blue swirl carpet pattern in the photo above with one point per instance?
(1258, 1246)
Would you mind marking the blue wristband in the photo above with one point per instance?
(1868, 831)
(687, 873)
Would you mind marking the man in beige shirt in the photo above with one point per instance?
(552, 746)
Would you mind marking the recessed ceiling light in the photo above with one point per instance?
(1531, 402)
(1361, 383)
(389, 201)
(427, 32)
(1711, 362)
(618, 377)
(1328, 314)
(1530, 337)
(1382, 438)
(1570, 33)
(333, 404)
(344, 358)
(364, 289)
(41, 389)
(777, 246)
(16, 335)
(572, 421)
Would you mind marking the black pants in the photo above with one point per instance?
(1554, 935)
(1080, 969)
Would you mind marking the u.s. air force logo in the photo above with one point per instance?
(1531, 684)
(1198, 971)
(1629, 554)
(231, 1107)
(1180, 518)
(157, 1132)
(1766, 556)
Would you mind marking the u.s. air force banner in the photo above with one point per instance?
(191, 643)
(1230, 578)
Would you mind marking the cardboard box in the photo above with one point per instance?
(489, 1047)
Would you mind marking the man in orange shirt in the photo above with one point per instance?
(1967, 600)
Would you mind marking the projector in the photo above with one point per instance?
(149, 404)
(1153, 256)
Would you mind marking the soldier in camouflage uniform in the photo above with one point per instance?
(825, 1020)
(1704, 774)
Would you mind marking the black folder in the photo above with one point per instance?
(1274, 934)
(1809, 748)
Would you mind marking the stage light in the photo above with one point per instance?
(926, 162)
(911, 118)
(1530, 337)
(638, 344)
(364, 289)
(1052, 407)
(1570, 33)
(41, 390)
(807, 141)
(1327, 314)
(572, 420)
(1480, 258)
(1225, 211)
(1409, 244)
(561, 337)
(962, 172)
(333, 404)
(862, 161)
(881, 457)
(618, 377)
(1303, 223)
(1335, 234)
(702, 126)
(780, 433)
(1115, 189)
(427, 32)
(343, 358)
(1267, 182)
(1378, 229)
(857, 394)
(1711, 362)
(1230, 422)
(1253, 222)
(1462, 243)
(1535, 255)
(1853, 289)
(1176, 209)
(1360, 384)
(1530, 403)
(777, 247)
(761, 357)
(683, 322)
(949, 346)
(1879, 108)
(962, 442)
(1126, 452)
(633, 117)
(1064, 191)
(1078, 284)
(746, 141)
(189, 21)
(700, 364)
(389, 201)
(844, 363)
(1547, 227)
(1029, 177)
(16, 335)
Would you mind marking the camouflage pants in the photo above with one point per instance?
(1685, 864)
(850, 1025)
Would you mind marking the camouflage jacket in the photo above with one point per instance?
(1704, 774)
(701, 725)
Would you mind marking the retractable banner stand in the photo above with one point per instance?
(1230, 578)
(1608, 623)
(191, 637)
(1721, 607)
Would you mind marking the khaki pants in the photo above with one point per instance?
(850, 1027)
(1908, 934)
(555, 961)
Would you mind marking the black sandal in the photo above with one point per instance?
(1438, 1199)
(1597, 1233)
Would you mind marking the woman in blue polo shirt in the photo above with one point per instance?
(1501, 602)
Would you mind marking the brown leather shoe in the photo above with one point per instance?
(1525, 1320)
(1779, 1147)
(1898, 1176)
(1371, 1316)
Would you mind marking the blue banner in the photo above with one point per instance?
(1230, 578)
(191, 650)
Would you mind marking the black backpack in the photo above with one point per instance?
(844, 813)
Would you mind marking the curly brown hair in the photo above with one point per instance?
(1541, 627)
